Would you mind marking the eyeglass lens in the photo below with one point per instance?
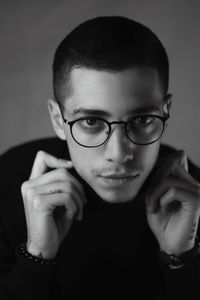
(94, 132)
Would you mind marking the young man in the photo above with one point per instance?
(105, 210)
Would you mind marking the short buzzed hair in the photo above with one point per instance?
(110, 43)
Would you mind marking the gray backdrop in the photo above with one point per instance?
(31, 30)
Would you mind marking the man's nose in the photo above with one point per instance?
(119, 148)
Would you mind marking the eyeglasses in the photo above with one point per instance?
(142, 129)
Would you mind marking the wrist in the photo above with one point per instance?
(27, 256)
(175, 261)
(40, 253)
(178, 250)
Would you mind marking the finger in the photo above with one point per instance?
(181, 172)
(179, 197)
(174, 165)
(68, 201)
(56, 188)
(164, 163)
(162, 168)
(60, 174)
(43, 161)
(155, 192)
(183, 161)
(80, 188)
(48, 203)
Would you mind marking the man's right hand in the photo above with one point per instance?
(51, 201)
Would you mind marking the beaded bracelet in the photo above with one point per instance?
(35, 259)
(174, 261)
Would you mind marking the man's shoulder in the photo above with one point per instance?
(16, 162)
(27, 151)
(51, 144)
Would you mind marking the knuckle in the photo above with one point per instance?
(40, 154)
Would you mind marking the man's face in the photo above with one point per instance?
(117, 169)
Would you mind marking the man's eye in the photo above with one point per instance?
(89, 122)
(144, 120)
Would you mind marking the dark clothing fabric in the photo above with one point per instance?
(110, 253)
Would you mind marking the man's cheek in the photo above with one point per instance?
(150, 156)
(82, 168)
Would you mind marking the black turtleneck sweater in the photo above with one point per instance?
(110, 253)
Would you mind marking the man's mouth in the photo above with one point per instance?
(117, 180)
(119, 175)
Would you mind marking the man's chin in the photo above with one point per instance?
(115, 194)
(119, 200)
(116, 197)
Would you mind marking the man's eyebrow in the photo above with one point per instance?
(94, 111)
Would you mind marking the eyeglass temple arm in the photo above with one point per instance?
(61, 111)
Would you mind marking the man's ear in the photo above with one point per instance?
(56, 118)
(167, 106)
(167, 103)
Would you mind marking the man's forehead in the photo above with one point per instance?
(113, 111)
(139, 76)
(87, 109)
(127, 91)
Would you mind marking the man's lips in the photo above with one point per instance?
(117, 179)
(119, 175)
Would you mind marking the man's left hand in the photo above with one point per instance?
(173, 205)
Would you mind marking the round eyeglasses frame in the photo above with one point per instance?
(71, 123)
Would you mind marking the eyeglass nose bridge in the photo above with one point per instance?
(117, 122)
